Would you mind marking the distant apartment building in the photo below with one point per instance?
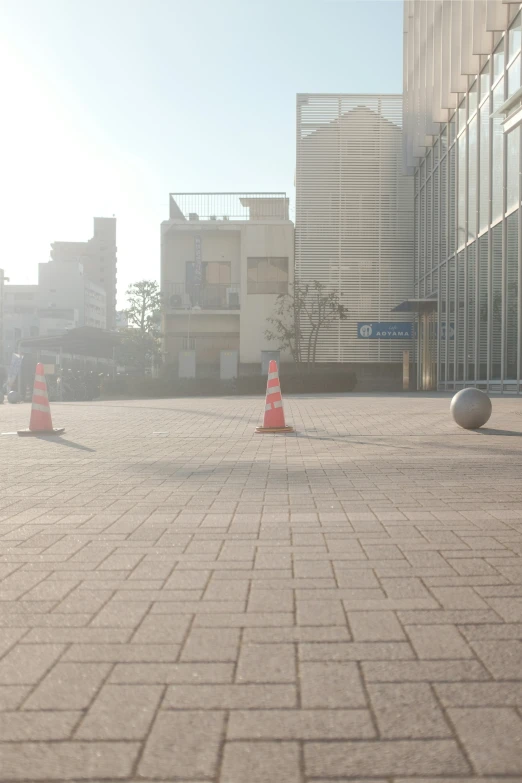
(225, 257)
(121, 321)
(354, 227)
(25, 317)
(99, 260)
(63, 299)
(65, 286)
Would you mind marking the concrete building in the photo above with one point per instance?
(122, 321)
(99, 260)
(25, 317)
(63, 299)
(354, 227)
(462, 142)
(65, 286)
(224, 259)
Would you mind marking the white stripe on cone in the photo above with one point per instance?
(43, 408)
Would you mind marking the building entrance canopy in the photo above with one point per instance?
(416, 306)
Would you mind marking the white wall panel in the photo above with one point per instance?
(354, 215)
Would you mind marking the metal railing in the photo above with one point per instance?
(206, 296)
(228, 206)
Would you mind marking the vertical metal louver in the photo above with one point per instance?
(354, 215)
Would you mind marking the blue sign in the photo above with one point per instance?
(385, 330)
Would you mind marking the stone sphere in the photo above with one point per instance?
(13, 397)
(470, 408)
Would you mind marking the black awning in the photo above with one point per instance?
(84, 341)
(416, 306)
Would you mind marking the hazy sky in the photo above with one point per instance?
(108, 105)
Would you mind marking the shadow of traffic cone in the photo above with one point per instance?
(274, 420)
(40, 422)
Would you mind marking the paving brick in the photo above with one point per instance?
(375, 626)
(66, 760)
(300, 724)
(184, 744)
(407, 711)
(37, 726)
(11, 696)
(428, 671)
(122, 653)
(68, 686)
(320, 613)
(458, 598)
(332, 633)
(510, 609)
(355, 651)
(480, 694)
(27, 663)
(331, 685)
(491, 737)
(121, 712)
(209, 644)
(438, 641)
(270, 600)
(159, 630)
(400, 757)
(260, 663)
(259, 762)
(168, 673)
(244, 620)
(502, 658)
(224, 697)
(121, 614)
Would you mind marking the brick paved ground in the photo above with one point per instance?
(181, 599)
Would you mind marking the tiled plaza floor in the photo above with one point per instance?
(184, 600)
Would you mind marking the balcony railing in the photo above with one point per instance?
(206, 296)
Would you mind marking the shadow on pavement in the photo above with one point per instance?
(62, 442)
(507, 433)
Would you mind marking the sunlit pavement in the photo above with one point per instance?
(184, 600)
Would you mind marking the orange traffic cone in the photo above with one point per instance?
(274, 420)
(40, 422)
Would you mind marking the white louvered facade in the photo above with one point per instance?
(354, 216)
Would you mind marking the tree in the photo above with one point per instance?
(141, 341)
(300, 316)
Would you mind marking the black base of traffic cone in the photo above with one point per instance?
(274, 429)
(26, 433)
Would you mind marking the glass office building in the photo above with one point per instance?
(462, 140)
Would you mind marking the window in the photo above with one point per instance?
(461, 215)
(514, 77)
(472, 177)
(267, 275)
(189, 344)
(498, 151)
(513, 168)
(514, 38)
(462, 113)
(484, 166)
(484, 81)
(472, 98)
(498, 60)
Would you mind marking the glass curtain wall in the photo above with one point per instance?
(467, 251)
